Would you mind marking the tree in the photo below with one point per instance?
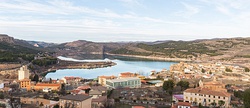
(200, 106)
(246, 98)
(168, 85)
(213, 104)
(221, 103)
(46, 96)
(1, 95)
(183, 84)
(35, 78)
(56, 106)
(228, 70)
(239, 94)
(41, 104)
(247, 69)
(203, 70)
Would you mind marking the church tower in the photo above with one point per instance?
(23, 73)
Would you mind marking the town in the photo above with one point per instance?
(184, 85)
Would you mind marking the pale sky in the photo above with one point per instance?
(124, 20)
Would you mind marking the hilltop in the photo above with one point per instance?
(14, 50)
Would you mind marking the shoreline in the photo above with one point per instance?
(76, 65)
(153, 58)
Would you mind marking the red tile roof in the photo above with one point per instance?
(83, 87)
(206, 91)
(47, 84)
(71, 78)
(183, 104)
(107, 76)
(138, 107)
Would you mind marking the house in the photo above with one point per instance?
(41, 86)
(206, 96)
(102, 79)
(75, 101)
(183, 105)
(47, 90)
(178, 98)
(71, 79)
(95, 93)
(37, 101)
(99, 102)
(102, 89)
(25, 83)
(138, 107)
(127, 75)
(84, 89)
(131, 82)
(213, 85)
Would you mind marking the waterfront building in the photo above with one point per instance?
(23, 73)
(42, 86)
(75, 101)
(71, 79)
(102, 79)
(206, 97)
(132, 82)
(127, 75)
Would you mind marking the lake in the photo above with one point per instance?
(133, 65)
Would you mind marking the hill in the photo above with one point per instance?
(77, 48)
(14, 50)
(41, 44)
(236, 50)
(231, 50)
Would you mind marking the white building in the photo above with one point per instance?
(23, 73)
(132, 82)
(206, 96)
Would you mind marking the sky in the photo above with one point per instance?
(61, 21)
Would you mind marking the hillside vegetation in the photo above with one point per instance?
(12, 51)
(231, 49)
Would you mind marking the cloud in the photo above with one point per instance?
(223, 10)
(132, 3)
(189, 11)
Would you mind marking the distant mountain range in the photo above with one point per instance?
(236, 49)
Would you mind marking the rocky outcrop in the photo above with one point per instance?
(6, 38)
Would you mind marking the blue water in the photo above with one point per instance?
(142, 67)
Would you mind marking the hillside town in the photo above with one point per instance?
(184, 85)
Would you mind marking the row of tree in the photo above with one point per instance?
(45, 61)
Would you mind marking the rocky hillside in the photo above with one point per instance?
(14, 50)
(232, 50)
(41, 44)
(84, 47)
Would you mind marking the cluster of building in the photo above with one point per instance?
(212, 94)
(124, 80)
(26, 83)
(81, 96)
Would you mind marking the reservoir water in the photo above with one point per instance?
(143, 67)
